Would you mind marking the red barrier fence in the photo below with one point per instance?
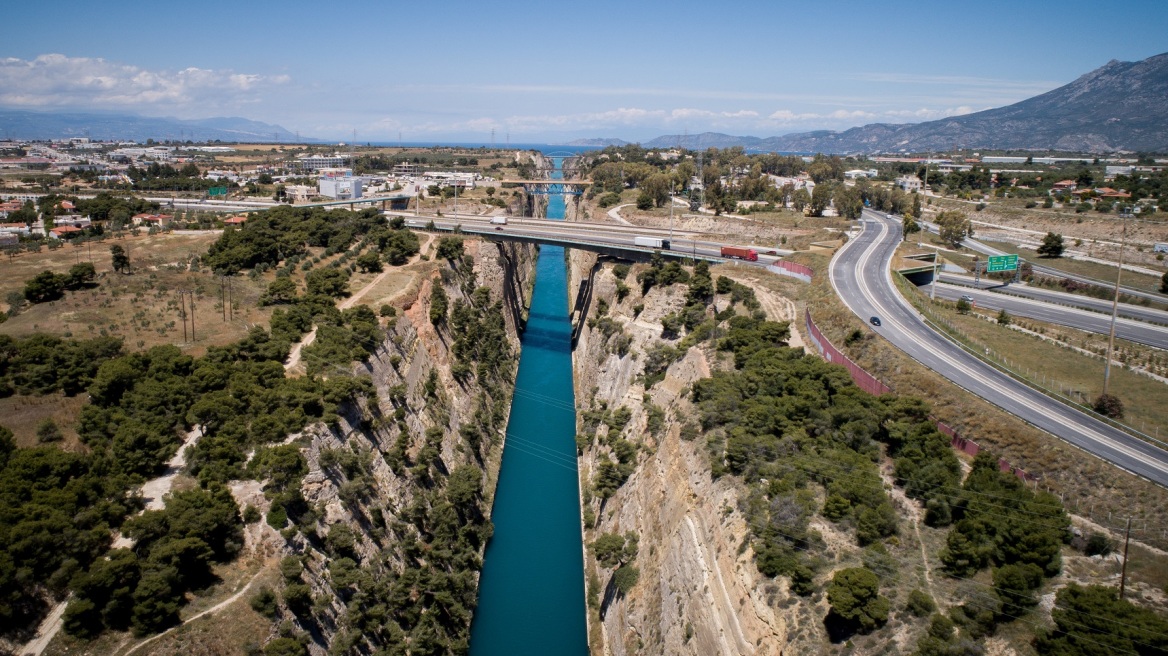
(785, 268)
(863, 379)
(875, 386)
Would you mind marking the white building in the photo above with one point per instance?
(339, 184)
(909, 183)
(860, 173)
(299, 193)
(318, 162)
(451, 179)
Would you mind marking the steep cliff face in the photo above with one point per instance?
(398, 491)
(698, 590)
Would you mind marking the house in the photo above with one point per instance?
(8, 207)
(1108, 192)
(65, 232)
(1064, 186)
(909, 183)
(235, 221)
(160, 220)
(74, 220)
(860, 173)
(15, 229)
(9, 239)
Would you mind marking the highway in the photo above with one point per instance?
(860, 273)
(984, 249)
(1094, 322)
(1138, 312)
(580, 233)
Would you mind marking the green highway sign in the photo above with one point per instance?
(1002, 263)
(217, 191)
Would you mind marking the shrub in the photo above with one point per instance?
(854, 595)
(920, 603)
(264, 602)
(1109, 405)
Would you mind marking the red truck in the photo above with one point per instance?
(740, 253)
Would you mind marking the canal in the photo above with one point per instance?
(531, 594)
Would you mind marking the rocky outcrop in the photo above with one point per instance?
(699, 591)
(363, 474)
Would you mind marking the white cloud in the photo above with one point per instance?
(788, 117)
(686, 114)
(929, 113)
(55, 81)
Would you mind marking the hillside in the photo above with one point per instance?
(1117, 107)
(16, 124)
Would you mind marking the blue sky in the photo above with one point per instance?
(543, 71)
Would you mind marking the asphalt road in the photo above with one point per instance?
(861, 276)
(983, 248)
(1134, 331)
(583, 232)
(1139, 312)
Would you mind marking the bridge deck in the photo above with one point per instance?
(579, 183)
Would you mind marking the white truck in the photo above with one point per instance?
(498, 220)
(651, 242)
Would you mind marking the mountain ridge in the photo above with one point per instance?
(108, 126)
(1116, 107)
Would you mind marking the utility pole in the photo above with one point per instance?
(223, 296)
(1123, 570)
(671, 214)
(1115, 307)
(182, 312)
(183, 294)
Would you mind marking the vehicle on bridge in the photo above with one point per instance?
(748, 254)
(651, 242)
(498, 220)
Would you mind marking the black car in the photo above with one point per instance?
(875, 321)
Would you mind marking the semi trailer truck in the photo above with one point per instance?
(740, 253)
(651, 242)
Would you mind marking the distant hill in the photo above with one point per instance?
(1120, 106)
(18, 124)
(601, 142)
(702, 141)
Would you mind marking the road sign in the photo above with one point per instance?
(1002, 263)
(217, 191)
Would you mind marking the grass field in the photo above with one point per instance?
(143, 308)
(1065, 370)
(22, 414)
(145, 251)
(1103, 272)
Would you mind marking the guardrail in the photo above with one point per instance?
(1065, 395)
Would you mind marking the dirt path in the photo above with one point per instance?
(216, 608)
(45, 632)
(153, 491)
(294, 353)
(614, 214)
(778, 308)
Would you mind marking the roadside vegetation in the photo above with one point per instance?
(825, 472)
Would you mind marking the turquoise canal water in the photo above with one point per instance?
(531, 595)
